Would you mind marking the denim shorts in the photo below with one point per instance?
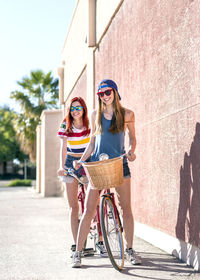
(126, 170)
(69, 164)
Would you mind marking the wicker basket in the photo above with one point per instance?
(105, 174)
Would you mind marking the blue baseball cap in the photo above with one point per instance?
(108, 83)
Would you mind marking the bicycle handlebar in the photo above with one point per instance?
(123, 155)
(70, 171)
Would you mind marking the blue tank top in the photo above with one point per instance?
(108, 143)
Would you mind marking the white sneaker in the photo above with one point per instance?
(76, 262)
(101, 248)
(133, 257)
(73, 249)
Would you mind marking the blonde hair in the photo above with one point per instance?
(117, 121)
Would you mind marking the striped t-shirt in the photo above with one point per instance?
(77, 140)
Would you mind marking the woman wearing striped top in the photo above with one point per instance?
(74, 133)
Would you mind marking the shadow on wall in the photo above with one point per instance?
(188, 220)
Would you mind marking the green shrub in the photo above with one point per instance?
(18, 182)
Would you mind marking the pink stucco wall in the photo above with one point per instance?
(151, 49)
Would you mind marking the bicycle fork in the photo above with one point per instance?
(116, 212)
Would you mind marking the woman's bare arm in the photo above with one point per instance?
(130, 124)
(63, 154)
(90, 148)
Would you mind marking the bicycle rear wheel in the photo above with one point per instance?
(112, 232)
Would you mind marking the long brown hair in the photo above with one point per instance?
(118, 119)
(69, 119)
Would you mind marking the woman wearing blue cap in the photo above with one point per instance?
(108, 126)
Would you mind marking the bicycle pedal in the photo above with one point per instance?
(88, 255)
(88, 249)
(87, 252)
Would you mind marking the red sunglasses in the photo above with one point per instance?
(107, 93)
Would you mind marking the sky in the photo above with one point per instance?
(32, 34)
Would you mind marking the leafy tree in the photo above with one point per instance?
(9, 146)
(38, 92)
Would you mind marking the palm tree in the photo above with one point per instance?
(38, 92)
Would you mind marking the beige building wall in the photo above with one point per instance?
(48, 154)
(108, 9)
(74, 51)
(76, 55)
(38, 159)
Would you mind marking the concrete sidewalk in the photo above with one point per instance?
(35, 239)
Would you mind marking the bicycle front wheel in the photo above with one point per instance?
(112, 232)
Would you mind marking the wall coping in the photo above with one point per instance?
(45, 112)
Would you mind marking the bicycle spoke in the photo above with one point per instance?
(112, 233)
